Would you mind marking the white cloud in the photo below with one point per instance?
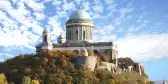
(124, 11)
(47, 1)
(131, 29)
(143, 46)
(117, 21)
(56, 25)
(109, 28)
(86, 6)
(123, 15)
(37, 7)
(98, 8)
(13, 38)
(107, 38)
(62, 14)
(129, 17)
(109, 2)
(39, 15)
(68, 6)
(37, 29)
(98, 16)
(5, 5)
(23, 28)
(11, 33)
(56, 3)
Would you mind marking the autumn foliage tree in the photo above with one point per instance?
(103, 58)
(57, 67)
(26, 80)
(3, 79)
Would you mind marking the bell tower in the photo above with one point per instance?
(46, 43)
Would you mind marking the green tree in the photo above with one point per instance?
(26, 80)
(11, 83)
(111, 81)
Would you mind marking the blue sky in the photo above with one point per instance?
(138, 26)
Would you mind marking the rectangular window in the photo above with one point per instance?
(77, 35)
(69, 35)
(83, 34)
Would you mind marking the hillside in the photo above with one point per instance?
(59, 67)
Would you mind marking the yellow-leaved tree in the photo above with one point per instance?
(35, 82)
(90, 53)
(3, 79)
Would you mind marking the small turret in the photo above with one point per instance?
(60, 39)
(46, 43)
(164, 82)
(84, 52)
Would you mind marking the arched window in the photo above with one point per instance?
(70, 35)
(83, 34)
(45, 38)
(77, 35)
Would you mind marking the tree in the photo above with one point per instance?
(27, 70)
(112, 81)
(90, 53)
(11, 83)
(103, 58)
(35, 82)
(26, 80)
(3, 79)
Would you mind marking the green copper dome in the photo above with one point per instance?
(80, 14)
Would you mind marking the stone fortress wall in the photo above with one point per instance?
(88, 61)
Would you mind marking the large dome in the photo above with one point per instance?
(80, 14)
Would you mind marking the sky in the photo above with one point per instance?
(138, 26)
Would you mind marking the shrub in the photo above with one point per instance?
(26, 80)
(45, 60)
(3, 79)
(27, 70)
(111, 81)
(35, 82)
(103, 58)
(90, 53)
(11, 83)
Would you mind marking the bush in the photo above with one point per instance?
(26, 80)
(44, 60)
(103, 58)
(11, 83)
(27, 70)
(3, 79)
(90, 53)
(35, 82)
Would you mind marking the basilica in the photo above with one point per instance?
(79, 37)
(79, 34)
